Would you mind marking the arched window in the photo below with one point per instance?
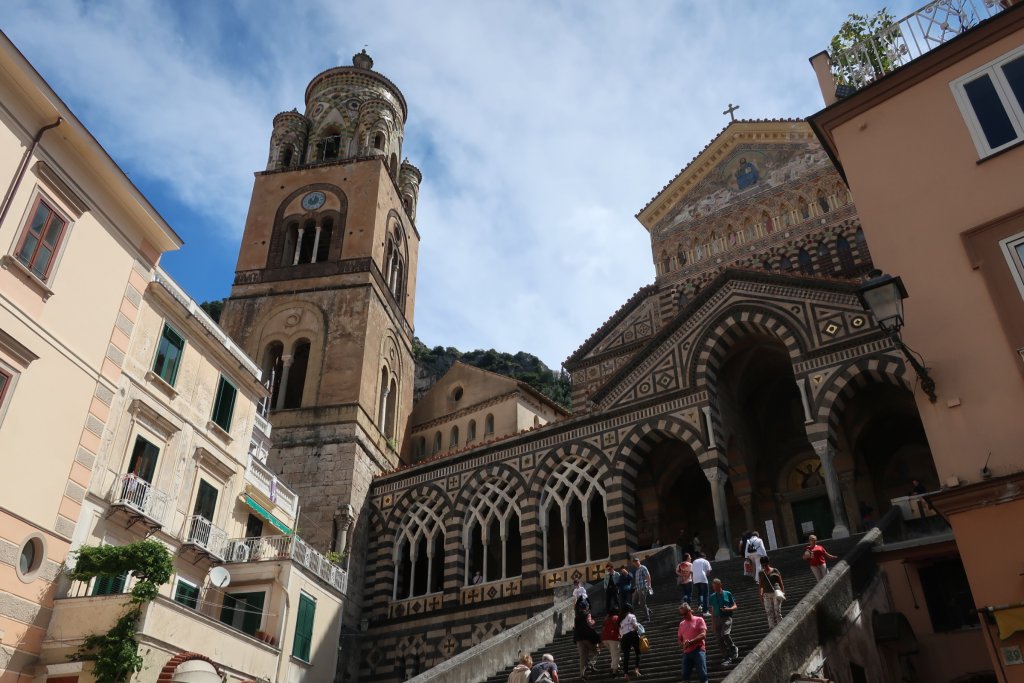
(329, 145)
(291, 240)
(394, 167)
(273, 366)
(493, 540)
(378, 140)
(785, 215)
(823, 201)
(683, 300)
(471, 432)
(489, 425)
(453, 437)
(804, 259)
(382, 409)
(286, 156)
(437, 444)
(419, 551)
(322, 240)
(825, 259)
(421, 447)
(391, 411)
(295, 375)
(306, 241)
(573, 519)
(846, 263)
(665, 265)
(804, 209)
(536, 421)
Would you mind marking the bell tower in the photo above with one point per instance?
(323, 295)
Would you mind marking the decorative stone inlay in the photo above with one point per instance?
(471, 595)
(566, 575)
(413, 606)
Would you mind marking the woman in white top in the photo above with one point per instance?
(755, 551)
(629, 638)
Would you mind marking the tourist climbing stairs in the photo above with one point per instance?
(662, 663)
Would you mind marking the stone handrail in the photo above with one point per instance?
(501, 651)
(792, 643)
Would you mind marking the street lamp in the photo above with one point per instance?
(882, 296)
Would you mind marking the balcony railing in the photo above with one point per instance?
(201, 532)
(907, 39)
(288, 548)
(142, 497)
(267, 483)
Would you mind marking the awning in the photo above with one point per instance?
(1010, 621)
(262, 512)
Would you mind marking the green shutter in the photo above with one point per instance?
(303, 641)
(224, 405)
(186, 594)
(109, 585)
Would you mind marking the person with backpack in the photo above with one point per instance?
(755, 551)
(701, 569)
(723, 604)
(629, 638)
(684, 570)
(544, 671)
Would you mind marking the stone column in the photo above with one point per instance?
(747, 503)
(835, 495)
(316, 243)
(717, 477)
(298, 246)
(282, 388)
(344, 516)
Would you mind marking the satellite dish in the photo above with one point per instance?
(220, 577)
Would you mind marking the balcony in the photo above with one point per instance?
(203, 536)
(293, 548)
(142, 501)
(903, 41)
(163, 621)
(263, 480)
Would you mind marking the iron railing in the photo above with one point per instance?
(202, 533)
(265, 481)
(141, 496)
(257, 548)
(907, 39)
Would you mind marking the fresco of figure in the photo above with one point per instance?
(746, 174)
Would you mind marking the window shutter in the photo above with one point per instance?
(303, 641)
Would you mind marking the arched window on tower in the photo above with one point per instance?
(436, 447)
(493, 538)
(421, 448)
(825, 263)
(471, 432)
(378, 140)
(847, 265)
(392, 409)
(453, 437)
(394, 167)
(291, 241)
(295, 375)
(573, 519)
(489, 425)
(307, 239)
(419, 551)
(286, 156)
(273, 366)
(329, 145)
(386, 401)
(804, 259)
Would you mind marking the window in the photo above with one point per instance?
(991, 100)
(110, 585)
(948, 595)
(489, 425)
(804, 259)
(143, 461)
(419, 551)
(378, 141)
(206, 500)
(573, 522)
(224, 404)
(168, 355)
(30, 557)
(253, 527)
(200, 527)
(40, 239)
(453, 438)
(471, 432)
(493, 541)
(847, 265)
(5, 382)
(1013, 251)
(243, 611)
(187, 593)
(304, 627)
(286, 158)
(437, 443)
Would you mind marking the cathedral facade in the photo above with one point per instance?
(746, 387)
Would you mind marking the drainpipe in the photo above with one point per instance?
(23, 166)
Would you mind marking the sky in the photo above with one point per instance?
(541, 127)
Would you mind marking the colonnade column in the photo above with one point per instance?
(298, 246)
(826, 454)
(282, 390)
(717, 477)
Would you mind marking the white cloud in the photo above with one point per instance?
(541, 128)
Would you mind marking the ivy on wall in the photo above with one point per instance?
(115, 653)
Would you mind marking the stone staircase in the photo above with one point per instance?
(662, 663)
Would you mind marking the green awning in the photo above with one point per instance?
(262, 512)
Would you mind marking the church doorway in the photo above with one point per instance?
(672, 494)
(774, 470)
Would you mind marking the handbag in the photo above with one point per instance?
(645, 645)
(808, 555)
(779, 595)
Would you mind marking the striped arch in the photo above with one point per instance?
(886, 368)
(167, 673)
(707, 355)
(628, 460)
(421, 514)
(548, 462)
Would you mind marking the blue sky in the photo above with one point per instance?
(541, 127)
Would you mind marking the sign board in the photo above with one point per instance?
(1012, 655)
(807, 527)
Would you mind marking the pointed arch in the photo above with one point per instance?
(831, 399)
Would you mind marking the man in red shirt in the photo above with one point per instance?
(816, 556)
(692, 632)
